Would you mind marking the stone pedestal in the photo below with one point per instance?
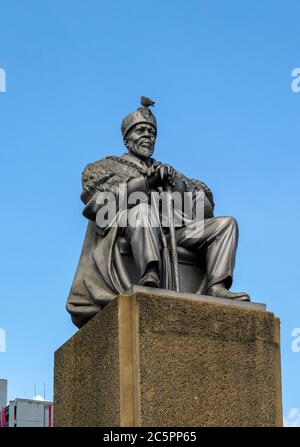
(160, 358)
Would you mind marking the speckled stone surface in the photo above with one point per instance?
(149, 360)
(204, 364)
(86, 374)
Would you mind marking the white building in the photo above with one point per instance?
(24, 412)
(29, 413)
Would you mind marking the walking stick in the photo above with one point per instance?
(173, 245)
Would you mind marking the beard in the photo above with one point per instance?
(142, 150)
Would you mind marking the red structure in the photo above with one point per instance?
(3, 417)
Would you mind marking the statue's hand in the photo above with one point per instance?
(171, 174)
(156, 175)
(161, 174)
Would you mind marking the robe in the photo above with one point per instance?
(101, 273)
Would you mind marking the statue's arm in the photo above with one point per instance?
(179, 185)
(88, 196)
(92, 185)
(209, 204)
(208, 208)
(91, 208)
(196, 185)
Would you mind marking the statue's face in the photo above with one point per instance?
(140, 140)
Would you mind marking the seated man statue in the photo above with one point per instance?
(102, 274)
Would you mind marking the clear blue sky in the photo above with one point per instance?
(220, 72)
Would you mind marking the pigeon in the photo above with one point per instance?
(146, 102)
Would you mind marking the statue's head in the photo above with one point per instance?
(139, 132)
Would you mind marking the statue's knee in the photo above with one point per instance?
(228, 221)
(231, 221)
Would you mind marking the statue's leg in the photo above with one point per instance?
(218, 236)
(143, 234)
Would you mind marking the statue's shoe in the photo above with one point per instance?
(222, 292)
(150, 279)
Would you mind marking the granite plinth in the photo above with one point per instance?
(155, 358)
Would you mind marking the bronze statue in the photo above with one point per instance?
(102, 272)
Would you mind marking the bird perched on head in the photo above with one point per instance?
(146, 102)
